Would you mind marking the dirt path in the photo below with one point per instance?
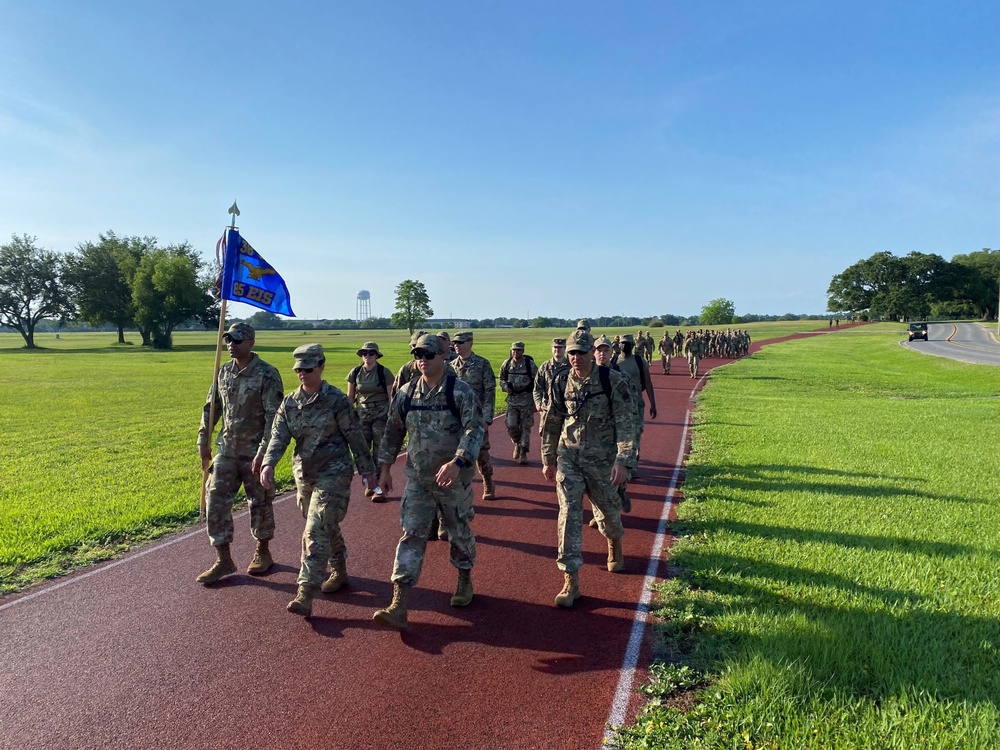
(134, 654)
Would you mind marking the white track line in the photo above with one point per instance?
(626, 679)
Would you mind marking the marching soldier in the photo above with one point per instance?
(517, 380)
(478, 372)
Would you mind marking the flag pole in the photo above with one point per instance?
(215, 383)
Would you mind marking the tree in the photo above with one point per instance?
(413, 306)
(976, 277)
(167, 291)
(891, 287)
(264, 320)
(31, 286)
(100, 277)
(717, 312)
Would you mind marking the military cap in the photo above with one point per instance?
(602, 341)
(429, 343)
(309, 355)
(558, 342)
(517, 345)
(239, 332)
(444, 335)
(462, 336)
(416, 336)
(628, 338)
(583, 324)
(371, 346)
(579, 341)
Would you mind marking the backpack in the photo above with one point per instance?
(379, 369)
(505, 369)
(604, 373)
(449, 394)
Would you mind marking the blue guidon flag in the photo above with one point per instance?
(246, 277)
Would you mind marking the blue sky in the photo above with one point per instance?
(520, 159)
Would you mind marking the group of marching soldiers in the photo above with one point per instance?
(590, 397)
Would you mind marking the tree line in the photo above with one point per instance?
(919, 286)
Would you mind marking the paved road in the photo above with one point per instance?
(968, 342)
(133, 654)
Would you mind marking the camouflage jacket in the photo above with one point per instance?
(517, 380)
(245, 401)
(543, 381)
(478, 372)
(582, 419)
(630, 366)
(436, 435)
(323, 424)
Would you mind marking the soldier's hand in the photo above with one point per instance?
(619, 474)
(652, 411)
(267, 477)
(256, 464)
(370, 480)
(549, 472)
(385, 479)
(447, 474)
(206, 455)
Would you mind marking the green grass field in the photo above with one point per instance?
(98, 450)
(836, 580)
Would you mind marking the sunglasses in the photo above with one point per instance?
(368, 353)
(424, 354)
(306, 370)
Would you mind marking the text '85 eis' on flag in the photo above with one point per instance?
(247, 277)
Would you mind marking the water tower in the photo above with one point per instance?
(364, 305)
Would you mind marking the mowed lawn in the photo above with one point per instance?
(835, 581)
(98, 449)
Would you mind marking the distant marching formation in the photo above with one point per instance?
(589, 396)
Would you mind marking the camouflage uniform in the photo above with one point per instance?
(517, 380)
(436, 436)
(694, 348)
(544, 378)
(585, 433)
(478, 373)
(371, 398)
(630, 366)
(666, 348)
(246, 401)
(323, 424)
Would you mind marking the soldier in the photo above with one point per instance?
(587, 447)
(616, 348)
(546, 374)
(444, 421)
(368, 387)
(408, 371)
(246, 394)
(450, 353)
(694, 348)
(517, 380)
(666, 348)
(638, 371)
(602, 356)
(583, 324)
(323, 423)
(478, 372)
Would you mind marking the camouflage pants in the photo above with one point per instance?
(418, 506)
(225, 477)
(484, 461)
(574, 477)
(373, 427)
(640, 427)
(520, 420)
(665, 361)
(324, 505)
(693, 361)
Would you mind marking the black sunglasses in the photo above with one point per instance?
(367, 353)
(306, 370)
(423, 354)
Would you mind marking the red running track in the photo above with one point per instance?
(134, 654)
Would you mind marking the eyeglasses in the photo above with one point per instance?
(306, 370)
(367, 353)
(576, 353)
(424, 354)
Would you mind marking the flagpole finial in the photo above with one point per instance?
(235, 211)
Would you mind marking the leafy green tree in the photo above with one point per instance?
(892, 287)
(168, 290)
(262, 320)
(977, 281)
(375, 323)
(100, 276)
(717, 312)
(31, 286)
(413, 306)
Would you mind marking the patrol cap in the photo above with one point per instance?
(579, 341)
(371, 346)
(627, 338)
(415, 336)
(602, 341)
(309, 355)
(558, 342)
(429, 343)
(239, 332)
(462, 336)
(517, 345)
(583, 324)
(444, 335)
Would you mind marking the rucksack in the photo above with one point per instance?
(449, 395)
(379, 369)
(505, 369)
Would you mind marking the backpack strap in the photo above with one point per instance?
(449, 395)
(381, 375)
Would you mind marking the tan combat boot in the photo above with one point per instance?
(616, 558)
(394, 616)
(463, 593)
(337, 580)
(523, 458)
(262, 560)
(302, 604)
(570, 590)
(489, 489)
(222, 566)
(517, 451)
